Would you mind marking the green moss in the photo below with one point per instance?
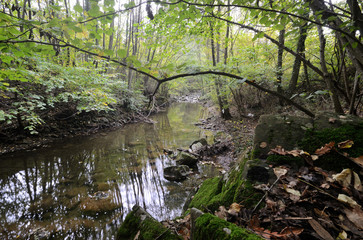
(333, 161)
(209, 189)
(214, 192)
(278, 160)
(211, 227)
(247, 195)
(129, 227)
(149, 229)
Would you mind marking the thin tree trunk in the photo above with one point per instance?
(355, 90)
(327, 77)
(279, 71)
(296, 67)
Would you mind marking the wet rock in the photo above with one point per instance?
(168, 151)
(194, 214)
(100, 202)
(196, 146)
(184, 158)
(176, 173)
(139, 224)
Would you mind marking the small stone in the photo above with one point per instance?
(227, 230)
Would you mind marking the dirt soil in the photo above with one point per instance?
(232, 138)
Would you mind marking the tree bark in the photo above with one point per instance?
(300, 49)
(279, 71)
(327, 77)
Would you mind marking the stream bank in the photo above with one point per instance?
(310, 190)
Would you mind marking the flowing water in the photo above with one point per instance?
(82, 188)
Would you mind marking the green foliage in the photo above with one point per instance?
(38, 86)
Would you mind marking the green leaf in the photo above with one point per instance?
(94, 11)
(108, 52)
(279, 27)
(78, 8)
(122, 53)
(354, 44)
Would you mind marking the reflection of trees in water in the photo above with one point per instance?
(131, 159)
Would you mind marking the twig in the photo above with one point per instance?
(263, 197)
(321, 190)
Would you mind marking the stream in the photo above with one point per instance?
(83, 187)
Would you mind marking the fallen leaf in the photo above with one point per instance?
(221, 213)
(347, 177)
(355, 216)
(263, 145)
(344, 177)
(321, 213)
(314, 157)
(332, 120)
(358, 160)
(291, 231)
(326, 149)
(346, 144)
(234, 209)
(294, 153)
(278, 150)
(345, 199)
(320, 230)
(279, 172)
(342, 235)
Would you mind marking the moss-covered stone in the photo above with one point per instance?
(138, 221)
(215, 192)
(333, 161)
(209, 189)
(211, 227)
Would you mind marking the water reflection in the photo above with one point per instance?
(81, 188)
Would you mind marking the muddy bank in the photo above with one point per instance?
(13, 139)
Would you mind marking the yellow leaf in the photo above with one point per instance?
(346, 144)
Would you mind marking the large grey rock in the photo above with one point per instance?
(185, 158)
(279, 130)
(287, 131)
(196, 146)
(325, 120)
(176, 173)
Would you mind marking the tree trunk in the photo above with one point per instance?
(327, 77)
(300, 49)
(279, 71)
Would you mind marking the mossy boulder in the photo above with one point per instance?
(335, 161)
(279, 130)
(217, 192)
(184, 158)
(139, 222)
(176, 173)
(196, 146)
(208, 226)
